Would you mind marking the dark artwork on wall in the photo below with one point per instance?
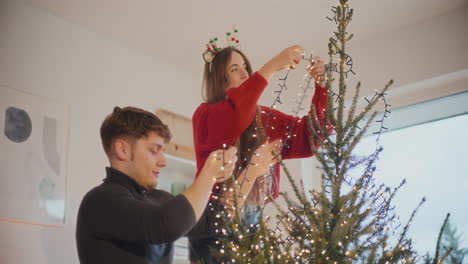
(18, 125)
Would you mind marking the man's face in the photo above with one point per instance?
(147, 159)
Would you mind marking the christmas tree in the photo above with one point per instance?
(450, 241)
(350, 219)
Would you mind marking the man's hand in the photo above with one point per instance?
(220, 163)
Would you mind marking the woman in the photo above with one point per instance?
(231, 116)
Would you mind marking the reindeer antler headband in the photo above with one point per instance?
(212, 47)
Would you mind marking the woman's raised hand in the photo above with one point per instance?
(220, 164)
(288, 58)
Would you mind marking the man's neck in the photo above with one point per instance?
(122, 168)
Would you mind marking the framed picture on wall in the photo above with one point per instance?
(33, 158)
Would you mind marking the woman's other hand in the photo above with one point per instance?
(316, 70)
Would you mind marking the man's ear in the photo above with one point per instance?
(121, 149)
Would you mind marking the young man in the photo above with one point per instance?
(124, 220)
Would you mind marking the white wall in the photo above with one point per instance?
(49, 57)
(418, 52)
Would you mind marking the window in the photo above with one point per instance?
(428, 146)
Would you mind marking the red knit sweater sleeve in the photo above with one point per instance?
(277, 125)
(223, 122)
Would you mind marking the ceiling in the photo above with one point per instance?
(175, 32)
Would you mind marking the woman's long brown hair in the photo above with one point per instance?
(215, 86)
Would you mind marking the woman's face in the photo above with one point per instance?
(236, 71)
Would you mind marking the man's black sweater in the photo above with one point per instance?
(119, 222)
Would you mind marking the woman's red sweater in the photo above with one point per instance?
(222, 123)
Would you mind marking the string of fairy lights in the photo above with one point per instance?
(348, 60)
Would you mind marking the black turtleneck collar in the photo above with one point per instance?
(116, 176)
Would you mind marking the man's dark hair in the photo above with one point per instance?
(131, 123)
